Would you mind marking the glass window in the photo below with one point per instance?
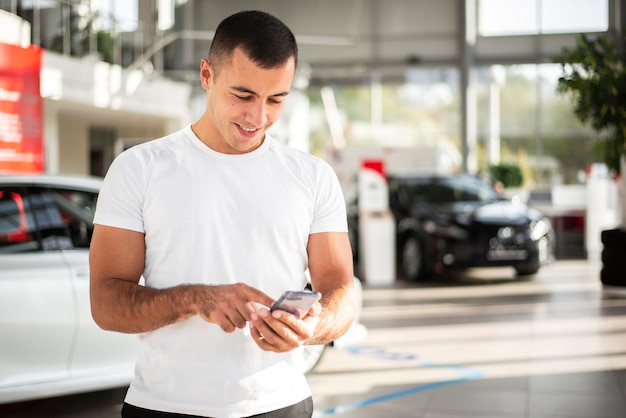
(17, 225)
(527, 17)
(573, 16)
(421, 109)
(76, 209)
(505, 17)
(537, 128)
(119, 15)
(45, 219)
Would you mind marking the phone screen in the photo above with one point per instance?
(296, 302)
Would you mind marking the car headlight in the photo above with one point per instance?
(539, 228)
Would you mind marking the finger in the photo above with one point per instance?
(281, 337)
(259, 321)
(242, 314)
(244, 306)
(277, 335)
(231, 317)
(224, 323)
(255, 295)
(237, 320)
(295, 330)
(260, 340)
(288, 322)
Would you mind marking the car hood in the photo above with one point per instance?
(494, 213)
(505, 212)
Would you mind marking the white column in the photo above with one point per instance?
(51, 137)
(493, 115)
(601, 209)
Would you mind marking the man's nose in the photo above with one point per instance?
(257, 113)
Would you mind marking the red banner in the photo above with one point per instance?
(21, 125)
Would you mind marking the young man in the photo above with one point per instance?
(219, 219)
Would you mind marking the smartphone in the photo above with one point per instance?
(296, 302)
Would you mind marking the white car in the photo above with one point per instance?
(50, 345)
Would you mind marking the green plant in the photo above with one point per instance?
(510, 175)
(81, 29)
(594, 74)
(105, 46)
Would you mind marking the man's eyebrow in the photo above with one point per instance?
(246, 90)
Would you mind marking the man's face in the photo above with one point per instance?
(243, 101)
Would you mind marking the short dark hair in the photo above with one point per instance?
(265, 39)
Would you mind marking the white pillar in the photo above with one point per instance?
(51, 137)
(601, 209)
(493, 114)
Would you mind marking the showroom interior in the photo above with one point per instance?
(410, 87)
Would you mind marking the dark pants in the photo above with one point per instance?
(302, 409)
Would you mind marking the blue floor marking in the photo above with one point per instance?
(466, 375)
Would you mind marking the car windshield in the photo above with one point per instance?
(471, 189)
(446, 190)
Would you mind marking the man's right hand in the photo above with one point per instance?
(229, 306)
(119, 303)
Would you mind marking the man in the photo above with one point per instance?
(219, 219)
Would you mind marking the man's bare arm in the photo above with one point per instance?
(120, 303)
(330, 265)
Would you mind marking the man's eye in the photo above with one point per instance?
(275, 101)
(242, 97)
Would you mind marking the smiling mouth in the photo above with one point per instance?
(250, 130)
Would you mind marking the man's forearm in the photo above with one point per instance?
(339, 310)
(124, 306)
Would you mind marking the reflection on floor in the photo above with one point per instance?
(484, 344)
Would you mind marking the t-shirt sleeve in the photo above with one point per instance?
(330, 208)
(121, 196)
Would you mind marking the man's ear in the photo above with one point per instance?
(206, 72)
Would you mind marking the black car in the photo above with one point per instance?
(459, 221)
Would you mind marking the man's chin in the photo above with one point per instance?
(245, 146)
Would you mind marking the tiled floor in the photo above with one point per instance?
(480, 345)
(484, 345)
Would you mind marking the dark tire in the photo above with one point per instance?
(412, 258)
(612, 276)
(614, 238)
(613, 271)
(615, 258)
(527, 269)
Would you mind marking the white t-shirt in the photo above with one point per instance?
(217, 218)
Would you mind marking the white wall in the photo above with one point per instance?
(83, 93)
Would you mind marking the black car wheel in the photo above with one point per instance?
(527, 269)
(412, 258)
(545, 255)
